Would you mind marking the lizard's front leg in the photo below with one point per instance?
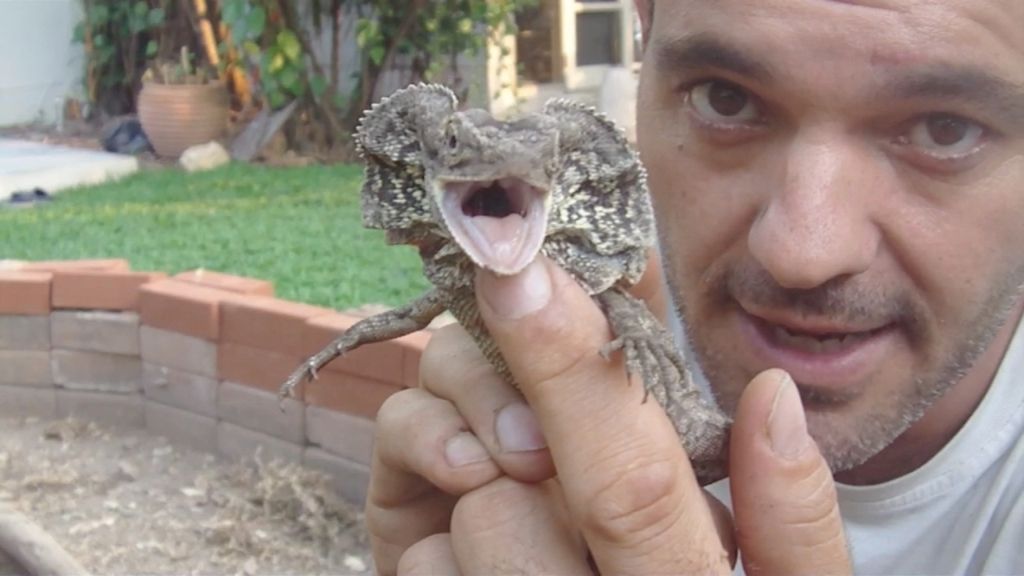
(384, 326)
(651, 354)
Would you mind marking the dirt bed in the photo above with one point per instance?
(129, 502)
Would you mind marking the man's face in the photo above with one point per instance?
(840, 191)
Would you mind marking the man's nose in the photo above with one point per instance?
(816, 222)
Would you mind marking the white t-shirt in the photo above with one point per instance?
(963, 511)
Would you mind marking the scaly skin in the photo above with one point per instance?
(597, 224)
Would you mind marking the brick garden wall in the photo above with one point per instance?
(198, 358)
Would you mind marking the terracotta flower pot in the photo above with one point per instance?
(176, 116)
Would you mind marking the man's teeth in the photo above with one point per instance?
(816, 344)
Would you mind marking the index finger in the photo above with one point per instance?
(627, 479)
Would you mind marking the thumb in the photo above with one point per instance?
(784, 498)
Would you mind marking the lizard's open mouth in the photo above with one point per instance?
(499, 224)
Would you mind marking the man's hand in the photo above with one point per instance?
(625, 499)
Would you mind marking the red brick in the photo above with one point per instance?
(95, 264)
(228, 282)
(255, 367)
(181, 307)
(348, 393)
(380, 361)
(413, 345)
(99, 290)
(25, 293)
(268, 323)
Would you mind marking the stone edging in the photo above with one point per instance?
(196, 357)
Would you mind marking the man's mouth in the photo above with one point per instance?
(815, 343)
(500, 224)
(818, 354)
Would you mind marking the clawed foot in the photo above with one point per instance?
(649, 358)
(306, 373)
(650, 353)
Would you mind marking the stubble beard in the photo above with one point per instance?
(846, 443)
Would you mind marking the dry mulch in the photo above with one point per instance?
(129, 502)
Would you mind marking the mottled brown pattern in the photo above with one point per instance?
(599, 228)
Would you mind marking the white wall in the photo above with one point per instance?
(40, 64)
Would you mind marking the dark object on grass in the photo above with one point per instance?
(124, 135)
(30, 197)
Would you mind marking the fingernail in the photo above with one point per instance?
(512, 297)
(463, 449)
(787, 426)
(517, 429)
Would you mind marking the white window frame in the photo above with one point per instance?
(586, 77)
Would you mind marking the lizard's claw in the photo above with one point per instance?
(628, 346)
(308, 373)
(655, 364)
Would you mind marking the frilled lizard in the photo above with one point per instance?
(469, 190)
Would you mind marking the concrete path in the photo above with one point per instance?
(25, 166)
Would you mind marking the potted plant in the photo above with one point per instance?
(181, 106)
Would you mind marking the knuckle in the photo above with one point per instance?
(497, 507)
(637, 505)
(394, 411)
(407, 422)
(432, 555)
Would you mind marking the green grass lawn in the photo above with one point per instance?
(298, 227)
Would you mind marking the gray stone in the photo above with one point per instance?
(25, 368)
(95, 331)
(24, 332)
(19, 401)
(204, 157)
(240, 443)
(180, 389)
(261, 411)
(174, 350)
(111, 409)
(97, 371)
(182, 427)
(345, 435)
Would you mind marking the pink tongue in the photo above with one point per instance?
(503, 236)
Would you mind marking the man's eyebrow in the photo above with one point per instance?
(972, 86)
(701, 52)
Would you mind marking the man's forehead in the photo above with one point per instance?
(887, 32)
(1000, 18)
(853, 52)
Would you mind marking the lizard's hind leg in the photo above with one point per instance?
(384, 326)
(650, 353)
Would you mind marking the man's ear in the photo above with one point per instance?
(644, 8)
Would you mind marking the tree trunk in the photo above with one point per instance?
(336, 6)
(293, 22)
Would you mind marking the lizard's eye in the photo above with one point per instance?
(451, 134)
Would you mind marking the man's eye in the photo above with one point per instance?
(945, 135)
(723, 103)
